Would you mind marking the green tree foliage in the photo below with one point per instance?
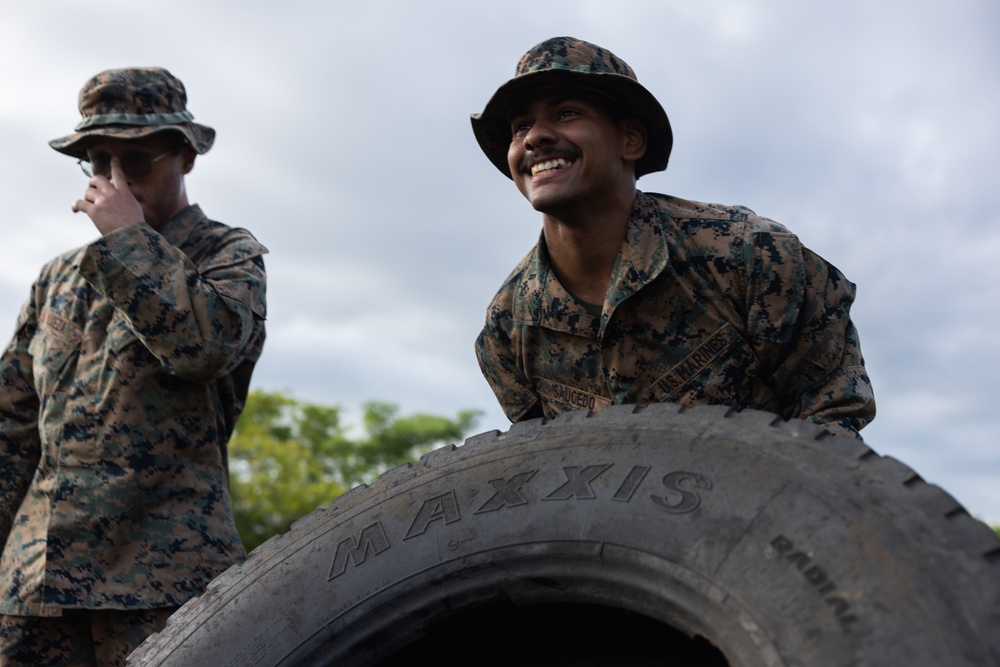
(288, 457)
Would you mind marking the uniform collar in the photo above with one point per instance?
(178, 229)
(643, 255)
(543, 301)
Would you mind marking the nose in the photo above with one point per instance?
(539, 134)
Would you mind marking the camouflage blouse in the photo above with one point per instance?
(118, 393)
(707, 304)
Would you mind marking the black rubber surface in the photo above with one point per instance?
(630, 537)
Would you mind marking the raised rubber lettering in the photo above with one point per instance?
(440, 508)
(682, 500)
(631, 483)
(371, 541)
(815, 575)
(578, 482)
(507, 492)
(782, 544)
(799, 559)
(818, 578)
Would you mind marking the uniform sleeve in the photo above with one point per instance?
(497, 356)
(800, 322)
(200, 322)
(19, 440)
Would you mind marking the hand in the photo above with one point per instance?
(110, 203)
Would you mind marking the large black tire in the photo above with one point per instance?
(628, 537)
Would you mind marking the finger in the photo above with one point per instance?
(117, 175)
(89, 195)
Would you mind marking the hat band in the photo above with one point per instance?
(135, 119)
(549, 66)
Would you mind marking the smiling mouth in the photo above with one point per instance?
(549, 165)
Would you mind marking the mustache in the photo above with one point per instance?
(568, 153)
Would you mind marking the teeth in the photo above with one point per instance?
(558, 163)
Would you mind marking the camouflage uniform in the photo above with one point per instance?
(78, 638)
(128, 369)
(127, 372)
(706, 304)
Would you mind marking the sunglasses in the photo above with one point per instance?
(134, 164)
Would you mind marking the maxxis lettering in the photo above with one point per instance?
(677, 492)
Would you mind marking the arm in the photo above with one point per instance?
(801, 324)
(19, 441)
(842, 396)
(497, 360)
(200, 321)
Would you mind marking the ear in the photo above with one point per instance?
(187, 159)
(633, 138)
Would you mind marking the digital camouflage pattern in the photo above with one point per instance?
(568, 61)
(76, 638)
(132, 103)
(127, 372)
(707, 304)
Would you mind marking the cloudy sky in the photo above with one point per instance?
(868, 128)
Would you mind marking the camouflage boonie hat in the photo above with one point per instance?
(132, 103)
(567, 61)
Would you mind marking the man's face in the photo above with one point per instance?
(566, 150)
(154, 171)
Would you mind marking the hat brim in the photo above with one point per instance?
(492, 126)
(200, 137)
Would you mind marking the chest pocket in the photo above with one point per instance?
(722, 370)
(120, 334)
(55, 343)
